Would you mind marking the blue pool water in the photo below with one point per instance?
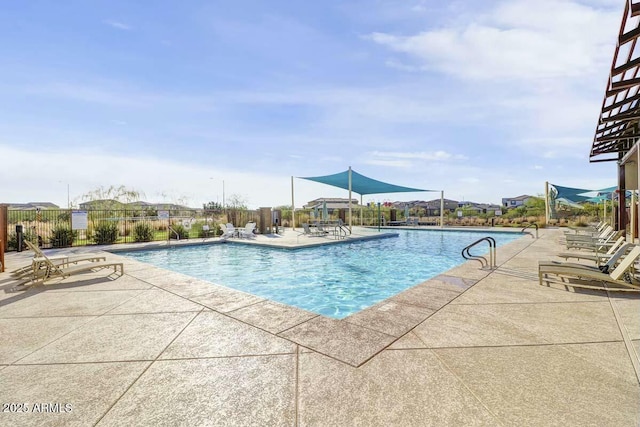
(334, 280)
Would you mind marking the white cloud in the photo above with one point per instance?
(439, 155)
(389, 163)
(118, 25)
(85, 172)
(515, 41)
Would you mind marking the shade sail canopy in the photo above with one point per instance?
(360, 184)
(571, 194)
(576, 195)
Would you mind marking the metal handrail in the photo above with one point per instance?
(529, 226)
(176, 233)
(491, 262)
(342, 229)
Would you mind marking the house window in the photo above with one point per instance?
(513, 203)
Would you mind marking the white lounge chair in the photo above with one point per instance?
(608, 265)
(582, 276)
(226, 232)
(233, 230)
(247, 231)
(594, 242)
(593, 253)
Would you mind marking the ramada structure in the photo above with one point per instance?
(618, 129)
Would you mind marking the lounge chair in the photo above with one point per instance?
(226, 232)
(594, 242)
(308, 232)
(582, 276)
(52, 270)
(247, 231)
(321, 229)
(593, 253)
(608, 265)
(233, 230)
(38, 261)
(605, 233)
(590, 229)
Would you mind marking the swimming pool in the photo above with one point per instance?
(333, 280)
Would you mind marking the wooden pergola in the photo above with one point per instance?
(618, 127)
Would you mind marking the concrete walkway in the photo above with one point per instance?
(469, 347)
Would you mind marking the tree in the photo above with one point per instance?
(213, 207)
(535, 206)
(112, 197)
(235, 201)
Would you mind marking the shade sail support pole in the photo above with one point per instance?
(293, 207)
(350, 219)
(442, 209)
(546, 203)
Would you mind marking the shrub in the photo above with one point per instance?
(105, 233)
(142, 232)
(62, 236)
(12, 239)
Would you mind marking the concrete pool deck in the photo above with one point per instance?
(469, 347)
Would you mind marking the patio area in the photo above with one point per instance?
(468, 347)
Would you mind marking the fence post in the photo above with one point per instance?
(4, 242)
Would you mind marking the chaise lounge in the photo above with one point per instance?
(52, 270)
(60, 260)
(583, 276)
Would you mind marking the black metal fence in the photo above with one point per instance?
(55, 228)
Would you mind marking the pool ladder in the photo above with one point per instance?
(530, 226)
(491, 262)
(342, 231)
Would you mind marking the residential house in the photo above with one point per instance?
(514, 202)
(332, 203)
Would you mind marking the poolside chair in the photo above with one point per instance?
(226, 232)
(608, 265)
(247, 231)
(598, 242)
(590, 229)
(235, 232)
(52, 270)
(38, 261)
(582, 276)
(321, 229)
(594, 253)
(308, 232)
(605, 233)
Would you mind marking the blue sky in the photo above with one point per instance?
(483, 100)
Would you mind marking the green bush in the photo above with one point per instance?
(105, 233)
(12, 239)
(142, 232)
(62, 236)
